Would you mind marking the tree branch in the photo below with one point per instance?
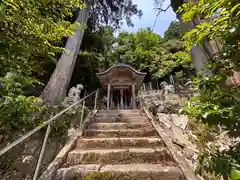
(162, 10)
(159, 9)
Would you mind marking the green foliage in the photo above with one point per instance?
(217, 103)
(20, 113)
(218, 163)
(71, 118)
(235, 174)
(146, 51)
(224, 17)
(32, 36)
(16, 110)
(96, 55)
(174, 45)
(112, 13)
(173, 31)
(31, 31)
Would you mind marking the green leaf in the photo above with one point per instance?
(223, 19)
(238, 13)
(235, 7)
(13, 5)
(235, 174)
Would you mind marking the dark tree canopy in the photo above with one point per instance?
(112, 13)
(176, 3)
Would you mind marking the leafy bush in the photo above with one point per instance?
(71, 118)
(217, 103)
(16, 110)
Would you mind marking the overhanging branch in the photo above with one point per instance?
(159, 9)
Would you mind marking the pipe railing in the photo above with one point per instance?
(48, 124)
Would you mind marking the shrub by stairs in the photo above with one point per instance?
(120, 145)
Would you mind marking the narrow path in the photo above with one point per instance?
(120, 145)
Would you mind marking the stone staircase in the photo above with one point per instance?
(120, 145)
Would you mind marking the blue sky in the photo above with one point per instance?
(149, 16)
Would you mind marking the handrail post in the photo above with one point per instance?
(42, 152)
(82, 114)
(95, 100)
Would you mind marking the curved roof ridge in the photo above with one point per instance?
(121, 65)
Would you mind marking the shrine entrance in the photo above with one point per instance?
(122, 83)
(121, 99)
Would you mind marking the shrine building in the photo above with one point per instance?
(122, 83)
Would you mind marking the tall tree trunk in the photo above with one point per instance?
(56, 89)
(201, 55)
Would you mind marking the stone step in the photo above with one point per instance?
(120, 133)
(120, 172)
(119, 125)
(120, 113)
(126, 111)
(119, 142)
(141, 119)
(120, 156)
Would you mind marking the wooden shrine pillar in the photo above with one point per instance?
(111, 100)
(108, 96)
(125, 99)
(144, 87)
(133, 96)
(150, 84)
(121, 100)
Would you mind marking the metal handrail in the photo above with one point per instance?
(44, 124)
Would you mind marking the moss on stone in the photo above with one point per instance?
(129, 176)
(162, 157)
(99, 176)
